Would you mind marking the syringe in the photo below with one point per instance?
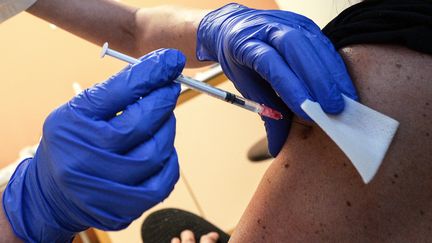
(205, 88)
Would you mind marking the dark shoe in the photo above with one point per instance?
(163, 225)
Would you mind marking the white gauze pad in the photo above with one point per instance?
(363, 134)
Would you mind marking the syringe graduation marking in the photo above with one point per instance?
(205, 88)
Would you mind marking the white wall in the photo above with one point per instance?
(320, 11)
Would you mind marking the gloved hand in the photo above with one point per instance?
(96, 169)
(272, 53)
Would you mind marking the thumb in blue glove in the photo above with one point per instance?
(94, 168)
(276, 58)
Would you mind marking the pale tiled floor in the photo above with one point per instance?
(212, 140)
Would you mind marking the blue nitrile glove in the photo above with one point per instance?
(96, 169)
(265, 52)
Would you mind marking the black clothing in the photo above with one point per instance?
(402, 22)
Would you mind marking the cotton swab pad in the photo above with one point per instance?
(363, 134)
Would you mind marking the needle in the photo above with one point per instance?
(205, 88)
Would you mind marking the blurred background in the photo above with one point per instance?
(40, 62)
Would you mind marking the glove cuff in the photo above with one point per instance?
(209, 29)
(28, 210)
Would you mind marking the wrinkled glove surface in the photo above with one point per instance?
(94, 168)
(276, 58)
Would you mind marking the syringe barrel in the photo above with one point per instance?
(201, 86)
(204, 88)
(244, 103)
(220, 94)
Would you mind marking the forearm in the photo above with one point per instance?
(127, 29)
(94, 20)
(170, 26)
(6, 233)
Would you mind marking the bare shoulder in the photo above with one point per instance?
(312, 193)
(391, 77)
(398, 82)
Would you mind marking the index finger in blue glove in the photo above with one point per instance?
(140, 121)
(130, 167)
(277, 133)
(152, 155)
(336, 66)
(105, 100)
(252, 86)
(126, 201)
(298, 51)
(267, 62)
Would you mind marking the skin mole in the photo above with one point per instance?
(306, 132)
(317, 166)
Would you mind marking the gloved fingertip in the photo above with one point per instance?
(277, 133)
(175, 61)
(174, 58)
(275, 146)
(334, 106)
(176, 88)
(169, 94)
(181, 59)
(181, 62)
(300, 113)
(353, 96)
(275, 149)
(346, 85)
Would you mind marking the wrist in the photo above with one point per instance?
(28, 209)
(209, 29)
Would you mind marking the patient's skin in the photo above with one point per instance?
(312, 193)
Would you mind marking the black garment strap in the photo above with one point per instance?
(402, 22)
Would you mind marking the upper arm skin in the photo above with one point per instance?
(128, 29)
(312, 193)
